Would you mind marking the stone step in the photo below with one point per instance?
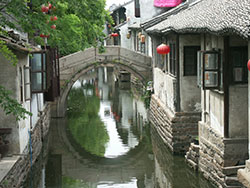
(232, 181)
(232, 170)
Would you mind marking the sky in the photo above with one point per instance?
(117, 2)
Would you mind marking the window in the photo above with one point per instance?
(38, 72)
(209, 69)
(137, 8)
(238, 58)
(173, 69)
(27, 91)
(190, 60)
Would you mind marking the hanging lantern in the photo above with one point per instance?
(163, 49)
(143, 38)
(42, 35)
(53, 18)
(44, 9)
(248, 64)
(114, 35)
(50, 6)
(53, 26)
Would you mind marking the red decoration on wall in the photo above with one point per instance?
(163, 49)
(114, 35)
(248, 64)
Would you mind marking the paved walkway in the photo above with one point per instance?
(6, 164)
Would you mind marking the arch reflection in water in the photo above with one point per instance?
(101, 116)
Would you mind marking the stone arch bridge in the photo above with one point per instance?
(79, 63)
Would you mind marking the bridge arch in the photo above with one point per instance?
(77, 64)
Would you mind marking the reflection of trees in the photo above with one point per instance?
(85, 124)
(73, 183)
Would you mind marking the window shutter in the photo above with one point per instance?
(38, 63)
(27, 85)
(211, 70)
(199, 68)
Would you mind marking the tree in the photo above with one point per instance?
(79, 25)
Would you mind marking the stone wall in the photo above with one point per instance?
(178, 129)
(192, 156)
(18, 173)
(220, 158)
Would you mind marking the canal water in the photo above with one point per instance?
(106, 141)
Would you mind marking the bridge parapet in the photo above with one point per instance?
(75, 65)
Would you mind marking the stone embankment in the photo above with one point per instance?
(15, 168)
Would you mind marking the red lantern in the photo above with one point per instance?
(50, 5)
(114, 35)
(44, 9)
(248, 64)
(163, 49)
(53, 26)
(53, 18)
(42, 35)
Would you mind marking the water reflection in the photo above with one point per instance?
(105, 142)
(94, 125)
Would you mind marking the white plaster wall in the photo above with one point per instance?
(37, 104)
(216, 111)
(149, 46)
(10, 79)
(148, 10)
(238, 102)
(238, 115)
(213, 101)
(24, 125)
(125, 42)
(190, 94)
(164, 88)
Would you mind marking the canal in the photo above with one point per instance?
(106, 141)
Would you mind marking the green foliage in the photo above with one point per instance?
(7, 53)
(79, 25)
(84, 122)
(11, 106)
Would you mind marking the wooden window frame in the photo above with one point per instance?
(195, 48)
(206, 69)
(137, 9)
(242, 66)
(43, 72)
(27, 83)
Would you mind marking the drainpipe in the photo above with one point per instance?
(226, 76)
(178, 98)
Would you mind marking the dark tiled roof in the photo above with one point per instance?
(17, 44)
(215, 16)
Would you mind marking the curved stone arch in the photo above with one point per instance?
(61, 104)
